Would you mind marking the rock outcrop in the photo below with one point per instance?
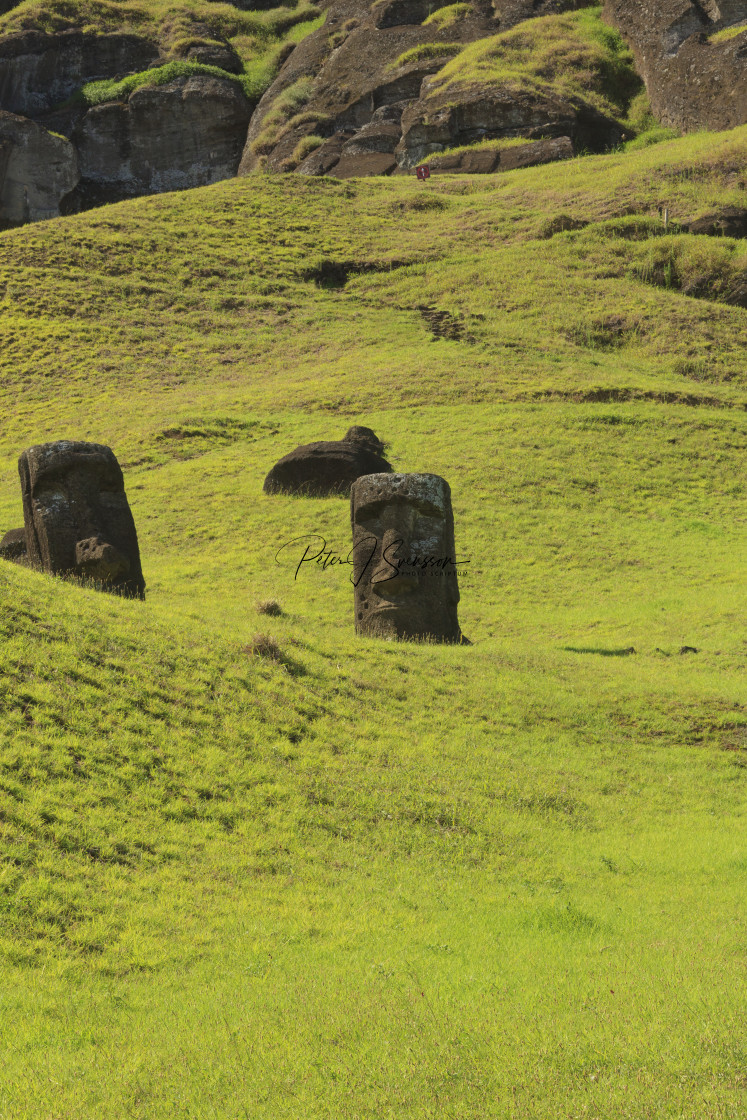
(38, 171)
(362, 76)
(483, 161)
(38, 71)
(188, 133)
(695, 77)
(443, 119)
(366, 94)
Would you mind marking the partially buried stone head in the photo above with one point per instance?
(404, 562)
(77, 517)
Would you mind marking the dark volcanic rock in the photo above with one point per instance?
(38, 71)
(485, 160)
(395, 13)
(366, 436)
(377, 136)
(356, 81)
(13, 545)
(77, 518)
(189, 133)
(38, 171)
(323, 159)
(370, 163)
(511, 12)
(729, 222)
(454, 117)
(327, 467)
(404, 557)
(221, 55)
(693, 81)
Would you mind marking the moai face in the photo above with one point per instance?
(78, 521)
(404, 560)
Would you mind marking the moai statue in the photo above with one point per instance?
(78, 521)
(404, 560)
(329, 466)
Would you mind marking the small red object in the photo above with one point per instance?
(423, 171)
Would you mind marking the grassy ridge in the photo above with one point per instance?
(158, 296)
(366, 879)
(574, 55)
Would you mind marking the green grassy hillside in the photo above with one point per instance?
(254, 866)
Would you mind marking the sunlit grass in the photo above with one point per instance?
(255, 866)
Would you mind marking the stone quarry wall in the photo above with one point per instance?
(694, 79)
(371, 112)
(38, 171)
(38, 71)
(348, 100)
(188, 133)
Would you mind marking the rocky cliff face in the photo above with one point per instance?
(188, 133)
(695, 71)
(382, 86)
(38, 171)
(38, 71)
(357, 78)
(372, 92)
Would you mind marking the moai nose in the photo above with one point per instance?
(393, 577)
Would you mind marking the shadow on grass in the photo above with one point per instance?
(602, 652)
(265, 647)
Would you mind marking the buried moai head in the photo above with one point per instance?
(77, 518)
(404, 560)
(365, 436)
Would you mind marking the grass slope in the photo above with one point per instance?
(358, 878)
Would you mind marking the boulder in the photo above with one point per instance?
(211, 53)
(38, 71)
(380, 135)
(324, 158)
(466, 115)
(369, 163)
(328, 467)
(38, 171)
(731, 221)
(13, 545)
(482, 161)
(395, 13)
(188, 133)
(694, 81)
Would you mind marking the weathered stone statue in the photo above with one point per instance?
(327, 467)
(77, 518)
(366, 437)
(13, 545)
(404, 559)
